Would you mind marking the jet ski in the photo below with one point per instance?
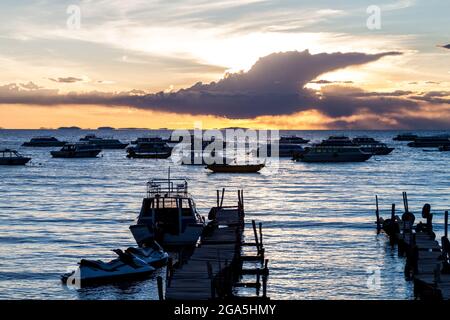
(155, 256)
(126, 267)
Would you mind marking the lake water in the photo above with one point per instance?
(318, 219)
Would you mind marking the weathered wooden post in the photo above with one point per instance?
(218, 197)
(256, 235)
(377, 213)
(223, 195)
(159, 280)
(393, 213)
(265, 276)
(446, 224)
(260, 235)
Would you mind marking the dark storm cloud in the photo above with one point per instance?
(436, 97)
(273, 86)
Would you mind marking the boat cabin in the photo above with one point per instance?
(170, 212)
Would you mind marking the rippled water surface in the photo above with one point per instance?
(318, 219)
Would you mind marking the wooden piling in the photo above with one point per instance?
(256, 235)
(446, 224)
(159, 281)
(377, 213)
(218, 197)
(220, 249)
(223, 195)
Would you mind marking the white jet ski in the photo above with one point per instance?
(155, 256)
(125, 267)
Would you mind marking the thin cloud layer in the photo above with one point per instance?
(66, 80)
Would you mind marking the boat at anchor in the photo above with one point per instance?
(168, 215)
(10, 157)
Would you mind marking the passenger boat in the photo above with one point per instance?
(334, 149)
(104, 143)
(406, 137)
(77, 150)
(44, 142)
(292, 140)
(157, 149)
(430, 142)
(168, 215)
(370, 145)
(10, 157)
(148, 140)
(235, 168)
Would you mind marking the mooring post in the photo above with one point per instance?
(169, 271)
(260, 235)
(446, 224)
(239, 198)
(377, 212)
(242, 198)
(393, 213)
(218, 197)
(258, 283)
(265, 282)
(223, 195)
(256, 235)
(159, 280)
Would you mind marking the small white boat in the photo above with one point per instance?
(126, 267)
(168, 215)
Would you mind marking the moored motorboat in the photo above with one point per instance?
(292, 140)
(156, 149)
(104, 143)
(334, 149)
(430, 142)
(168, 215)
(235, 168)
(10, 157)
(370, 145)
(77, 150)
(44, 142)
(405, 137)
(126, 267)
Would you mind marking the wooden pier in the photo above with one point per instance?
(427, 262)
(215, 268)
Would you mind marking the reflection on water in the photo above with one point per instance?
(318, 219)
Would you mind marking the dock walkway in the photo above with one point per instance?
(427, 262)
(215, 266)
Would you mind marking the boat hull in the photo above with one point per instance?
(119, 146)
(14, 161)
(335, 158)
(148, 155)
(44, 144)
(430, 144)
(220, 168)
(98, 277)
(77, 154)
(143, 233)
(378, 151)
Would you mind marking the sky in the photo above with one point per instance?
(286, 64)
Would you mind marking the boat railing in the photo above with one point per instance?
(167, 188)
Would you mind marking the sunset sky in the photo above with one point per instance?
(288, 64)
